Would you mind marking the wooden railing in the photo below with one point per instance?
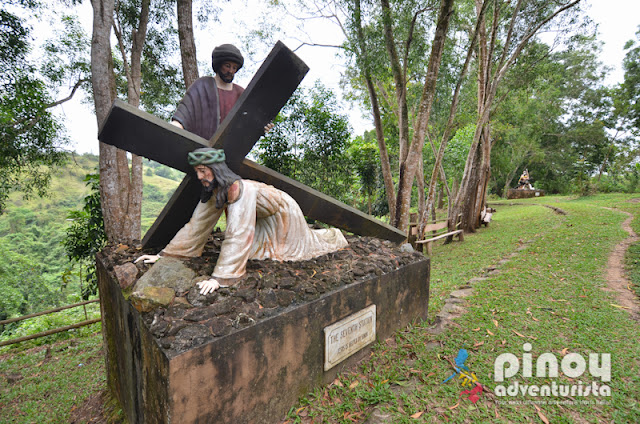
(52, 331)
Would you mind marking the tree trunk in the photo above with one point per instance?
(187, 42)
(409, 167)
(104, 92)
(120, 187)
(422, 207)
(377, 120)
(399, 78)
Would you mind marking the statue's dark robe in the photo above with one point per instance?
(199, 110)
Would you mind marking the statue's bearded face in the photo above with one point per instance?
(227, 71)
(205, 175)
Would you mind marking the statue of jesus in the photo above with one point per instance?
(262, 223)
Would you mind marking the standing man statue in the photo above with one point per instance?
(262, 223)
(210, 99)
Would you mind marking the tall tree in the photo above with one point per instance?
(510, 28)
(395, 62)
(141, 31)
(187, 43)
(630, 89)
(32, 137)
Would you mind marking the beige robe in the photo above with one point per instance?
(263, 223)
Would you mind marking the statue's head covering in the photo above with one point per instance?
(224, 53)
(223, 176)
(206, 156)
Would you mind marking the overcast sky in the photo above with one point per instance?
(618, 21)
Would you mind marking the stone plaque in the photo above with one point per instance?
(349, 335)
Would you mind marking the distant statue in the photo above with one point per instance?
(262, 223)
(524, 182)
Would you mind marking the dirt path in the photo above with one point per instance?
(617, 281)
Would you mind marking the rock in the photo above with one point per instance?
(268, 298)
(462, 293)
(406, 248)
(219, 326)
(285, 297)
(176, 326)
(167, 272)
(150, 298)
(225, 305)
(159, 328)
(199, 314)
(248, 295)
(286, 283)
(193, 332)
(243, 320)
(126, 274)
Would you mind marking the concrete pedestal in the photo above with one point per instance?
(253, 374)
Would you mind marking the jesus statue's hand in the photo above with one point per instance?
(148, 259)
(208, 286)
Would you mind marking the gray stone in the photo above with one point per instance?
(379, 417)
(219, 326)
(126, 274)
(167, 272)
(462, 293)
(477, 280)
(193, 332)
(406, 248)
(199, 314)
(454, 300)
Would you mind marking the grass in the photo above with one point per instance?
(549, 294)
(53, 380)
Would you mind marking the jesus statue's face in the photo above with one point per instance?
(205, 175)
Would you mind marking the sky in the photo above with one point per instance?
(617, 20)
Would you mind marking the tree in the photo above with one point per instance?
(510, 30)
(387, 43)
(309, 143)
(32, 137)
(366, 160)
(121, 186)
(86, 236)
(630, 89)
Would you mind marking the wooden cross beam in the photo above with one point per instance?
(138, 132)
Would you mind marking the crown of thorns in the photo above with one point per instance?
(206, 156)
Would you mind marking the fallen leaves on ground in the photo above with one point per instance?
(541, 415)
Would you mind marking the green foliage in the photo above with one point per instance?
(630, 90)
(309, 143)
(36, 270)
(365, 157)
(32, 137)
(55, 320)
(86, 236)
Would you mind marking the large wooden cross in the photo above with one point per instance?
(135, 131)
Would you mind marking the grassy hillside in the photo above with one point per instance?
(35, 273)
